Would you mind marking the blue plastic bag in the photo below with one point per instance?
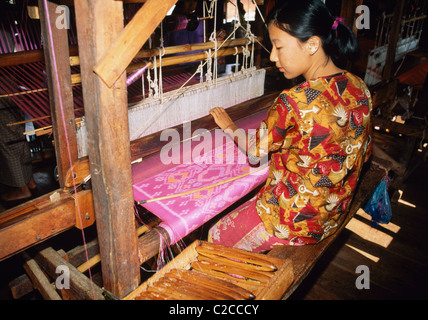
(379, 204)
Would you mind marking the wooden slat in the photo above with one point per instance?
(40, 219)
(121, 52)
(36, 226)
(106, 114)
(20, 286)
(39, 280)
(81, 287)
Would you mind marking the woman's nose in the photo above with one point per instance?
(273, 55)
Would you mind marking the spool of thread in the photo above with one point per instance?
(134, 76)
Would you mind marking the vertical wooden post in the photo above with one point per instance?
(347, 11)
(56, 52)
(98, 24)
(393, 38)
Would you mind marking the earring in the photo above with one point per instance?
(313, 49)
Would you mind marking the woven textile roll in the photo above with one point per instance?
(183, 214)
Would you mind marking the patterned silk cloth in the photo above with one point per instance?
(319, 136)
(212, 159)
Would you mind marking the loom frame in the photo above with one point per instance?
(64, 211)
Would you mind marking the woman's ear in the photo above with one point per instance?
(312, 45)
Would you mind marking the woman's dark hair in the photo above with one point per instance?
(303, 19)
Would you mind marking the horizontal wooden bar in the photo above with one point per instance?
(148, 53)
(81, 287)
(184, 48)
(173, 60)
(36, 221)
(30, 56)
(193, 57)
(39, 279)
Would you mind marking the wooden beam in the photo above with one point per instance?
(39, 279)
(184, 48)
(119, 55)
(56, 52)
(20, 286)
(23, 57)
(81, 287)
(186, 58)
(106, 112)
(34, 223)
(347, 12)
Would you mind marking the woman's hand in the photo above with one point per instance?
(222, 119)
(225, 123)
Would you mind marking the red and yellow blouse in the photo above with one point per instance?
(318, 136)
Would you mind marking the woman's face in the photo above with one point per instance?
(289, 54)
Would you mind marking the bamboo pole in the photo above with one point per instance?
(174, 60)
(148, 53)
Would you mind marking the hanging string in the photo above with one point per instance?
(150, 83)
(179, 91)
(208, 61)
(258, 10)
(61, 107)
(161, 53)
(155, 83)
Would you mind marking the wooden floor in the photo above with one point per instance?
(396, 254)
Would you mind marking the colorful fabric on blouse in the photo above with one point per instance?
(318, 135)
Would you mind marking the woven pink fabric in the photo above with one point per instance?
(243, 229)
(181, 215)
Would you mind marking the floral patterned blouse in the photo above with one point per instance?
(318, 135)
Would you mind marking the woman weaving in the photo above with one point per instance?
(317, 134)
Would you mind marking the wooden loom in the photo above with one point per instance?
(107, 118)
